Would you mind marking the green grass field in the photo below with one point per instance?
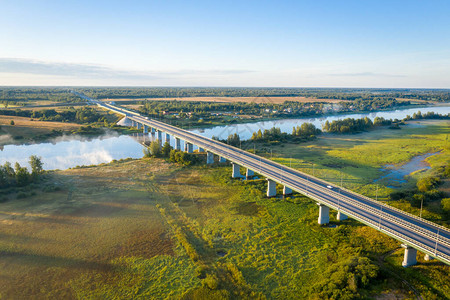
(356, 160)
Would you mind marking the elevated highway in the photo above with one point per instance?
(413, 232)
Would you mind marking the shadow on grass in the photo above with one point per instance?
(54, 261)
(22, 238)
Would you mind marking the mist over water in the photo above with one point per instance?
(70, 151)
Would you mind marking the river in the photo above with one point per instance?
(246, 130)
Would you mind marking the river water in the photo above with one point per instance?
(71, 151)
(246, 130)
(396, 175)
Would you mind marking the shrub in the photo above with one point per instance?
(211, 281)
(341, 280)
(21, 195)
(445, 203)
(427, 183)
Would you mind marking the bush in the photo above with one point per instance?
(211, 281)
(341, 280)
(21, 195)
(183, 158)
(154, 150)
(445, 203)
(427, 183)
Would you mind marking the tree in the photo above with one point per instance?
(3, 177)
(233, 139)
(36, 166)
(155, 148)
(11, 123)
(166, 149)
(22, 175)
(446, 205)
(10, 173)
(427, 183)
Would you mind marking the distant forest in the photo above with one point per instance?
(62, 94)
(325, 93)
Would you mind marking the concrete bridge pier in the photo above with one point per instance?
(341, 217)
(236, 170)
(138, 125)
(133, 123)
(168, 138)
(189, 148)
(145, 130)
(159, 136)
(209, 157)
(249, 173)
(153, 130)
(222, 159)
(410, 257)
(177, 144)
(271, 188)
(287, 190)
(428, 257)
(324, 214)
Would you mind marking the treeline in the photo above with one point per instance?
(81, 115)
(206, 111)
(20, 176)
(166, 151)
(306, 131)
(374, 103)
(14, 95)
(348, 125)
(428, 115)
(24, 94)
(325, 93)
(351, 125)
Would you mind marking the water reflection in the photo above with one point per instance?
(67, 152)
(396, 174)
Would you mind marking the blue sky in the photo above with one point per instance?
(226, 43)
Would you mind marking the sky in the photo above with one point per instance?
(321, 43)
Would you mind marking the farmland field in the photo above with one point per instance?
(274, 100)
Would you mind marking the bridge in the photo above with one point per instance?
(413, 232)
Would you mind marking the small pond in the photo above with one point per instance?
(396, 174)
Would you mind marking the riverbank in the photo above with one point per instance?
(30, 131)
(237, 119)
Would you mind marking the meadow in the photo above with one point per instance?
(356, 160)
